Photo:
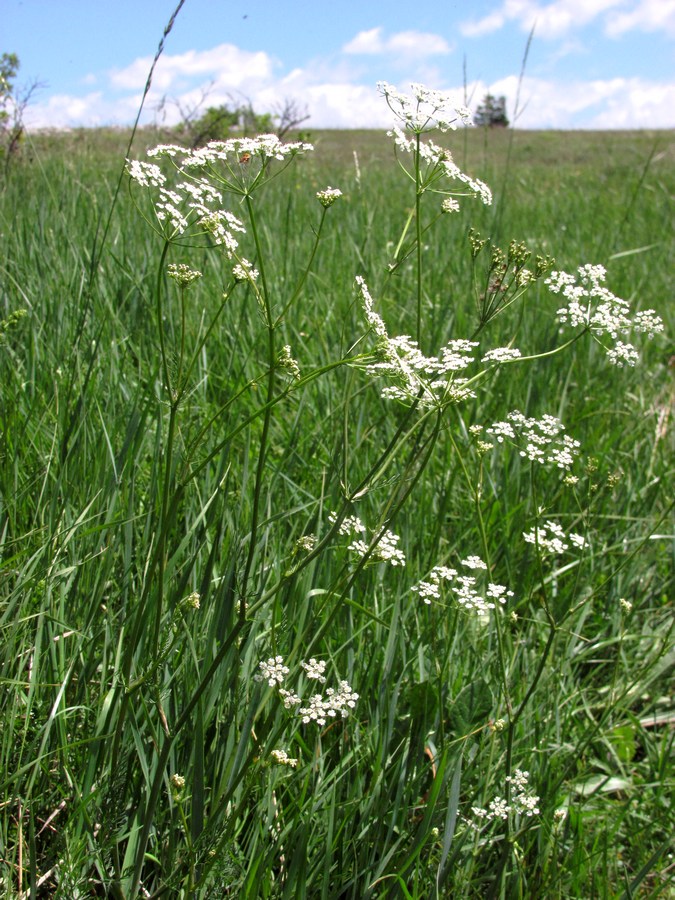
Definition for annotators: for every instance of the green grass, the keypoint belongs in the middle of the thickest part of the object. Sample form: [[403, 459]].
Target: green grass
[[117, 501]]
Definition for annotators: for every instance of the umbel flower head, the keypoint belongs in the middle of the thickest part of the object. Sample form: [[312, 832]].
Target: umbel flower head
[[192, 199], [591, 305], [424, 109]]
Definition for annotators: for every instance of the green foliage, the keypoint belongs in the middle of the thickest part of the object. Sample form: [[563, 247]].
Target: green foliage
[[220, 122], [154, 446], [491, 112], [9, 66]]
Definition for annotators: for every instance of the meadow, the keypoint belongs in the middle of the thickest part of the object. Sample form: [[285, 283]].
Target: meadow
[[290, 611]]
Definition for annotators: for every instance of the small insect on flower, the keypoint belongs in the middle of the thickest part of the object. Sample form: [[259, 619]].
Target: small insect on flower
[[245, 158]]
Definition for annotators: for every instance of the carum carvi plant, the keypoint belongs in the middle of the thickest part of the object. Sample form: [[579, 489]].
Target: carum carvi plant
[[206, 202], [347, 610]]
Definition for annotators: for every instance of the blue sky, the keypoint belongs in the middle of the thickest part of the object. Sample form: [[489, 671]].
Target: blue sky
[[591, 64]]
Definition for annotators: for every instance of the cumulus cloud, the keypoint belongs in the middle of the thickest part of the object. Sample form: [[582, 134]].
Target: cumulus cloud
[[617, 103], [224, 64], [556, 19], [335, 94], [647, 15], [405, 43]]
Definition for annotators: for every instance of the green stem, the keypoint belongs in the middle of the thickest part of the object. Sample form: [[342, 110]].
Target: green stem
[[267, 420], [418, 237]]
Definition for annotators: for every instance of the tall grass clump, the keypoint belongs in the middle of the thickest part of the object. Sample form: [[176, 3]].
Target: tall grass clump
[[335, 533]]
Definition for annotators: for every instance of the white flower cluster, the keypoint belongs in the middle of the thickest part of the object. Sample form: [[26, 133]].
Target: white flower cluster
[[502, 354], [523, 802], [183, 275], [431, 381], [264, 146], [591, 305], [244, 271], [349, 525], [439, 161], [328, 196], [543, 439], [463, 587], [319, 708], [386, 549], [282, 757], [196, 200], [550, 538], [425, 108], [335, 703], [273, 671]]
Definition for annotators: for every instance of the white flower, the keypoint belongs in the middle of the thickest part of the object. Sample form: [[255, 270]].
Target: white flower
[[273, 671], [314, 669], [502, 354], [384, 551], [474, 562], [544, 441], [145, 174], [450, 205], [281, 757], [551, 538], [425, 108], [182, 274], [244, 271], [328, 196], [591, 305]]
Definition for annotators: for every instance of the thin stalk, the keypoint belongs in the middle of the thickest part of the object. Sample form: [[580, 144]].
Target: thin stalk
[[267, 420], [418, 236]]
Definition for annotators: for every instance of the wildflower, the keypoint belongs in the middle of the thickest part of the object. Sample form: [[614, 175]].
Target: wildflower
[[449, 205], [305, 543], [559, 815], [244, 271], [285, 361], [551, 538], [192, 601], [425, 108], [502, 354], [522, 801], [349, 525], [177, 783], [328, 196], [314, 669], [384, 551], [463, 588], [289, 698], [145, 174], [273, 671], [592, 306], [183, 275], [541, 440], [281, 757], [428, 381], [626, 605], [474, 562]]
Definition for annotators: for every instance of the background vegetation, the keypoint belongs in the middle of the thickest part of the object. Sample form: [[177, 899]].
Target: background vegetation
[[380, 804]]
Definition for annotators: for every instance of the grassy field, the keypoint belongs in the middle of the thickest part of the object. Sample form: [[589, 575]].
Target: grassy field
[[181, 499]]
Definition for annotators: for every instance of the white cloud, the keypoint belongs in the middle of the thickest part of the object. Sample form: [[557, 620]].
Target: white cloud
[[225, 64], [334, 94], [647, 15], [552, 20], [366, 42], [618, 103], [403, 43]]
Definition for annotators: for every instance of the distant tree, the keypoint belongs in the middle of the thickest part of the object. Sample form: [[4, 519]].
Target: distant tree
[[200, 123], [492, 112], [13, 103], [289, 115]]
